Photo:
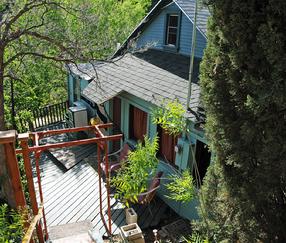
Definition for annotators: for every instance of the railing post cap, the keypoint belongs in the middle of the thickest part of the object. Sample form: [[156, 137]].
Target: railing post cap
[[7, 136], [23, 136]]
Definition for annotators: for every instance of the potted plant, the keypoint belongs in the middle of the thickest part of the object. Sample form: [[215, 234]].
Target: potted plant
[[132, 179]]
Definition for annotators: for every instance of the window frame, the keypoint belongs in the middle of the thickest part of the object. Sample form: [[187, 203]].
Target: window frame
[[167, 27]]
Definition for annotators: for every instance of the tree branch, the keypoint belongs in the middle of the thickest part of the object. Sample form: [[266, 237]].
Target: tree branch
[[68, 50], [26, 8], [22, 54]]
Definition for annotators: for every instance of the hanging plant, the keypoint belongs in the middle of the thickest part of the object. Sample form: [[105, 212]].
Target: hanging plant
[[181, 187], [132, 178], [170, 116]]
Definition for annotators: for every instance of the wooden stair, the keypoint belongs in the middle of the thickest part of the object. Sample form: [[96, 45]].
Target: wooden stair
[[71, 156], [79, 232]]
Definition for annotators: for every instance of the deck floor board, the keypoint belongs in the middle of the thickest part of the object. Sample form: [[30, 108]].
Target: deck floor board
[[72, 195]]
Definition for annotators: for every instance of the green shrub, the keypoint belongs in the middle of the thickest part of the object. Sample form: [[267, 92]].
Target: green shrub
[[132, 178], [170, 116], [182, 187], [11, 224]]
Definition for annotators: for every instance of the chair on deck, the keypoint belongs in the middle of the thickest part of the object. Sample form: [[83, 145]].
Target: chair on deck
[[119, 157], [145, 198]]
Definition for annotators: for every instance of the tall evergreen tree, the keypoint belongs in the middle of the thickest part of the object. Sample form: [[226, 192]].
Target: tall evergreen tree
[[243, 81]]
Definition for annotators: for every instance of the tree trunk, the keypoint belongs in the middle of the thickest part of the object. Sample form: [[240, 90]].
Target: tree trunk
[[6, 190], [13, 113], [2, 122]]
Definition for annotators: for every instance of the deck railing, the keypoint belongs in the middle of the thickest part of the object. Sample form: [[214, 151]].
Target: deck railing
[[45, 116], [49, 114], [8, 140], [32, 227]]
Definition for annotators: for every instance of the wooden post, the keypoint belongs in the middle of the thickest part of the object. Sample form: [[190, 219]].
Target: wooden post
[[107, 186], [23, 139], [37, 160], [8, 138]]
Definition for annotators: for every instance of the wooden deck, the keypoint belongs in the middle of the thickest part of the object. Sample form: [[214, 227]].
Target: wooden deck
[[73, 195]]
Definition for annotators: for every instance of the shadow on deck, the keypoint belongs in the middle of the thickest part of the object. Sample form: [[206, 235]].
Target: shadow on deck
[[73, 195]]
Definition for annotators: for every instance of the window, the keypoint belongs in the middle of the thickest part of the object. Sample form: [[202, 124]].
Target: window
[[203, 157], [172, 29], [137, 123], [167, 145]]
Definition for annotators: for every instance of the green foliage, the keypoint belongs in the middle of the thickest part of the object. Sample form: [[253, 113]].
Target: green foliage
[[181, 188], [132, 178], [195, 238], [170, 116], [24, 180], [243, 85], [11, 224], [89, 30]]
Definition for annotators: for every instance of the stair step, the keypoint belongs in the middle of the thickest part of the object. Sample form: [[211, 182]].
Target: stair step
[[81, 238], [68, 230], [69, 157]]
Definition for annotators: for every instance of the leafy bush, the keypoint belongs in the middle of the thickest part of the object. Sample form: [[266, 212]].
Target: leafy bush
[[195, 238], [11, 224], [182, 187], [170, 116], [132, 178]]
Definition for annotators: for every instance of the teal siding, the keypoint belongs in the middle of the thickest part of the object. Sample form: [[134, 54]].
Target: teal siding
[[186, 39], [185, 210], [154, 34], [70, 89], [83, 84]]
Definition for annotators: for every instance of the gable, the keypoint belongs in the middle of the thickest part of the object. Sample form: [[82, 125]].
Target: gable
[[154, 34], [152, 30], [188, 8]]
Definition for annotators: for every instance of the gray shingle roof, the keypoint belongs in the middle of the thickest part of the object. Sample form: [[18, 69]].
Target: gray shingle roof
[[188, 7], [151, 75]]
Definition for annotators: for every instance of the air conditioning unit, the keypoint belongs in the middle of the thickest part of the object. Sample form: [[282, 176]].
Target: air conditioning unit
[[77, 116]]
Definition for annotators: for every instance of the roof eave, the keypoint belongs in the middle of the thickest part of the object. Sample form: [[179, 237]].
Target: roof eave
[[198, 28], [147, 18]]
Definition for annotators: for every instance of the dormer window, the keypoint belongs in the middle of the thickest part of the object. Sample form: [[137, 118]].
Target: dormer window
[[172, 29]]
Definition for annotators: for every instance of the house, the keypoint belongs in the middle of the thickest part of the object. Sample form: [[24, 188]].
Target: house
[[126, 89]]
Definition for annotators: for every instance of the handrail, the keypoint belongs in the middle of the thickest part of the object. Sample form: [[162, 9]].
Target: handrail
[[43, 116], [27, 237]]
